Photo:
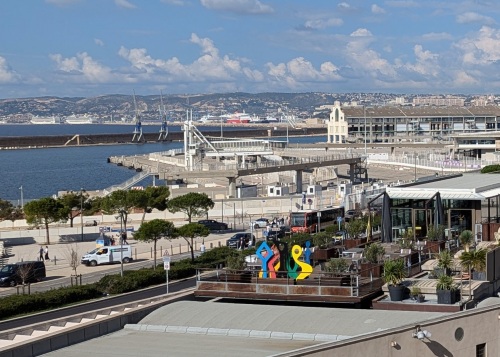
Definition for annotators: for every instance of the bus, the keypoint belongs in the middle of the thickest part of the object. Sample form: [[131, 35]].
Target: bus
[[306, 221]]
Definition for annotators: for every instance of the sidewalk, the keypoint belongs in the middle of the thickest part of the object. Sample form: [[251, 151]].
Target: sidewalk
[[59, 253]]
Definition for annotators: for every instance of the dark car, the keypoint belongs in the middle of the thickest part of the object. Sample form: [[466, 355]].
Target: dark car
[[235, 241], [213, 225], [13, 274], [275, 232]]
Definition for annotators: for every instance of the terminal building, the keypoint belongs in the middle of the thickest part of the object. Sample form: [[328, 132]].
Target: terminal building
[[395, 124]]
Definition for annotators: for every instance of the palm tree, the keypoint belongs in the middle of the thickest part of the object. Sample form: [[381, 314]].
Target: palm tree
[[466, 239], [473, 260], [445, 261]]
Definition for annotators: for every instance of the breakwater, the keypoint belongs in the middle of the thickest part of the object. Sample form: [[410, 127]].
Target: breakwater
[[18, 142]]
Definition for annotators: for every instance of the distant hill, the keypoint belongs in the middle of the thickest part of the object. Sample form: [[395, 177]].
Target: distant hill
[[118, 106]]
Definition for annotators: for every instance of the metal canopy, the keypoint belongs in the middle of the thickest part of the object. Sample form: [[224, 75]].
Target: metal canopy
[[421, 194]]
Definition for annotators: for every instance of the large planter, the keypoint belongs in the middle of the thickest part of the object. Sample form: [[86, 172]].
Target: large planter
[[374, 268], [396, 293], [436, 246], [324, 254], [446, 296], [354, 243]]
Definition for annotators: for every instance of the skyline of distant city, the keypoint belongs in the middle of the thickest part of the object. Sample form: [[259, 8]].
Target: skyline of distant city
[[85, 48]]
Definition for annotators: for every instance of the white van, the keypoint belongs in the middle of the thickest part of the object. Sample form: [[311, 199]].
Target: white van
[[108, 254]]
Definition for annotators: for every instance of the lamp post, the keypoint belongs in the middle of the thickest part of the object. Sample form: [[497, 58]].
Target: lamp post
[[364, 114], [121, 242], [415, 161], [81, 211], [22, 198]]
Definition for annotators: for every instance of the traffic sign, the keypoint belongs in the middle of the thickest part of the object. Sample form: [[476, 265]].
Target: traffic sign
[[165, 253], [166, 258], [166, 265], [319, 214]]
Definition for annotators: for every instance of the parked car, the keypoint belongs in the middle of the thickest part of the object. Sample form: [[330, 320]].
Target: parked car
[[259, 223], [275, 232], [12, 274], [213, 225], [234, 241]]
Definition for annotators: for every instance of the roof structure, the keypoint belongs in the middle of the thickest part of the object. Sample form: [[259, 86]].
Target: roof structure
[[207, 329], [420, 111], [469, 186]]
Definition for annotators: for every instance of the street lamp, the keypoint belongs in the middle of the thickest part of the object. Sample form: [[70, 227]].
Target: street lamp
[[364, 114], [81, 211], [22, 198], [121, 211], [415, 158]]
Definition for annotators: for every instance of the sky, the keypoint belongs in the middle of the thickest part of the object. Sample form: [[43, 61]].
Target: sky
[[89, 48]]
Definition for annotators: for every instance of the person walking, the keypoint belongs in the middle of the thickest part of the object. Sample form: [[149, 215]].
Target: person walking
[[41, 253], [46, 251]]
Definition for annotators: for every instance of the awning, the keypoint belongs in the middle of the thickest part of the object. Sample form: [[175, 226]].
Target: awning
[[422, 194]]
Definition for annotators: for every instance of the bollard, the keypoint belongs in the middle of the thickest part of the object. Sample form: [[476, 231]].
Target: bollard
[[180, 250], [219, 244], [80, 279], [161, 250], [171, 250], [135, 253], [211, 245], [55, 260], [151, 252]]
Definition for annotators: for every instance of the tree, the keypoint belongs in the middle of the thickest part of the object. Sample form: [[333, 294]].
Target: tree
[[120, 201], [71, 200], [44, 211], [192, 204], [191, 231], [9, 212], [74, 259], [155, 230], [466, 239], [355, 227], [153, 197]]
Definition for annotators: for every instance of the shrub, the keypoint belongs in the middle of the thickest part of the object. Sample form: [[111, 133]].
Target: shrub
[[337, 266], [374, 252], [490, 168]]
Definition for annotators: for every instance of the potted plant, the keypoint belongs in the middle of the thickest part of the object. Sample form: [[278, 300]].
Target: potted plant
[[372, 254], [445, 261], [393, 275], [416, 294], [474, 262], [466, 239], [446, 290]]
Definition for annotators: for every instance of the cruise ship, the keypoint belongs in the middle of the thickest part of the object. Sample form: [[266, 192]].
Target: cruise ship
[[81, 119], [35, 119]]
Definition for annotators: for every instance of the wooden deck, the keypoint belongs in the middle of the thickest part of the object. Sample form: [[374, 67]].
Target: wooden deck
[[348, 288]]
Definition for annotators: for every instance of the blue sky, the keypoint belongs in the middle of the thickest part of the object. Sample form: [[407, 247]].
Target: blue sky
[[95, 47]]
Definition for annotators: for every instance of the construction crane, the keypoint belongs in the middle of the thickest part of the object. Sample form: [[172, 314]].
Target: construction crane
[[163, 118], [138, 126]]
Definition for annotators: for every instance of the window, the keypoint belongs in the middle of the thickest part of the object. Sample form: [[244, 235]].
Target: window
[[481, 350]]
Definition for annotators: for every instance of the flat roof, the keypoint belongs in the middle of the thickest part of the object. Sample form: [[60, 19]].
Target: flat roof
[[469, 186], [193, 328]]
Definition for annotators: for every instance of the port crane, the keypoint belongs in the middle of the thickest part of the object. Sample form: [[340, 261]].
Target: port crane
[[163, 118], [138, 126]]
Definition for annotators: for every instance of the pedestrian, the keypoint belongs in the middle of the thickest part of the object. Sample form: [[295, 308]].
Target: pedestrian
[[242, 244], [202, 247], [46, 251], [124, 237], [41, 253]]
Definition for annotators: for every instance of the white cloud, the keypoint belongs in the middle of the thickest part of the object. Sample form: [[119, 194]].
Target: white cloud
[[125, 4], [83, 67], [238, 6], [433, 36], [361, 33], [474, 17], [7, 75], [323, 23], [377, 9], [98, 42], [426, 62], [344, 6], [174, 2], [481, 48]]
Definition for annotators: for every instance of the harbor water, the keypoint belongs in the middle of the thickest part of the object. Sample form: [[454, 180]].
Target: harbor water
[[44, 172]]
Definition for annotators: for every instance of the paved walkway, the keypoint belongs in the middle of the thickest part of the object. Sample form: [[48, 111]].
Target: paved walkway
[[59, 253]]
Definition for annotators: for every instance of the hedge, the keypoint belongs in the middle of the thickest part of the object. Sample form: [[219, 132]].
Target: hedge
[[111, 284]]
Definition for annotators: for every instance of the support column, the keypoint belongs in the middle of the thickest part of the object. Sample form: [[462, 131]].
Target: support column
[[232, 187], [298, 181], [351, 172]]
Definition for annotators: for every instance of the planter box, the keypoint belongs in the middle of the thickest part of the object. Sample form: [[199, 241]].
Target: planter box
[[324, 254], [354, 243], [436, 247], [446, 296], [375, 269]]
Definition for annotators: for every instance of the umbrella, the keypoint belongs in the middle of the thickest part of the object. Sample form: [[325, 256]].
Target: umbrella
[[386, 219], [438, 213]]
